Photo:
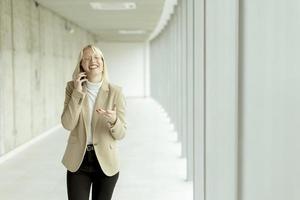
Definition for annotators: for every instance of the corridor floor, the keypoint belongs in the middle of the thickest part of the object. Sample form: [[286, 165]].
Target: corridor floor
[[151, 167]]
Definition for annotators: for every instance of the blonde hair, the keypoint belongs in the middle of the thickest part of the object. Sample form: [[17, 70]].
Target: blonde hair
[[97, 51]]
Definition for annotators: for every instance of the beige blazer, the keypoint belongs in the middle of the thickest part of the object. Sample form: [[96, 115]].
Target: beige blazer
[[75, 118]]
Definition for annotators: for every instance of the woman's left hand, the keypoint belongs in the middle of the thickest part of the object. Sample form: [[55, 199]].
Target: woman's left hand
[[110, 115]]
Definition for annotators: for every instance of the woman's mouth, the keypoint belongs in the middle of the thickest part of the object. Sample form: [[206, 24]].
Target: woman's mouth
[[93, 66]]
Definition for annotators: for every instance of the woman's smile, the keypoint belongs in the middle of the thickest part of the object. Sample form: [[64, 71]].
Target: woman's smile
[[93, 66], [92, 63]]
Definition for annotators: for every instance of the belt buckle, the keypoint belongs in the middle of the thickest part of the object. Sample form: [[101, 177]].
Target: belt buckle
[[89, 147]]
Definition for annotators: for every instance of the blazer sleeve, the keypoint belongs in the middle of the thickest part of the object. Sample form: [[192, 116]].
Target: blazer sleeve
[[72, 107], [118, 130]]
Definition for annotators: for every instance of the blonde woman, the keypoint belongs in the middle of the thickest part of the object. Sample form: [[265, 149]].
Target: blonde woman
[[94, 113]]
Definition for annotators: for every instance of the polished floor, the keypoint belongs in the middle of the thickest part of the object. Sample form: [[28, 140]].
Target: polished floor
[[151, 167]]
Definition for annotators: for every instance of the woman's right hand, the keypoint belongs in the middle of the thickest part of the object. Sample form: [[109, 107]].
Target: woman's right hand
[[78, 81]]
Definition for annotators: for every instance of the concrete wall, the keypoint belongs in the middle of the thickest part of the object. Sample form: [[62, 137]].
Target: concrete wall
[[37, 57], [128, 66]]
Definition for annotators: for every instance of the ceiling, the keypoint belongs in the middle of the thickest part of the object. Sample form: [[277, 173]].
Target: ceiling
[[106, 24]]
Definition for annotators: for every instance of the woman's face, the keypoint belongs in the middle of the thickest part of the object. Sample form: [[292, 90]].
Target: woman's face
[[92, 63]]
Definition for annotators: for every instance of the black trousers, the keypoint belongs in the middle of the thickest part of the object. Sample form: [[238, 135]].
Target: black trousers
[[90, 173]]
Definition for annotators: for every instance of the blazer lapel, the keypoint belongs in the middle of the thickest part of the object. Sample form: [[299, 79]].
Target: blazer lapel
[[100, 101], [85, 111]]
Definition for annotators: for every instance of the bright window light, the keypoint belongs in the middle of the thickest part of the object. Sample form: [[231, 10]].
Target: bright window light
[[113, 5], [131, 31]]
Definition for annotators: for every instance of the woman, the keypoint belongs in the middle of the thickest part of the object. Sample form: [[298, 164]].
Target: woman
[[94, 113]]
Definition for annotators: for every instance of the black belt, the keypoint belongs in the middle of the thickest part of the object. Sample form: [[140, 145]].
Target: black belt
[[90, 147]]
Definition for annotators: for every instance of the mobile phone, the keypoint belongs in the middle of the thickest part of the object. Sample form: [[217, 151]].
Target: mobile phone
[[81, 70]]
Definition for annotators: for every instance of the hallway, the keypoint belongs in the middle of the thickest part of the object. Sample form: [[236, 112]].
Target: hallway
[[211, 88], [150, 161]]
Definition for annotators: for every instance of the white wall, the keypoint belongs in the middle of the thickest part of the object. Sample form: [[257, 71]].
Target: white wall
[[127, 66], [243, 128], [270, 47], [221, 99]]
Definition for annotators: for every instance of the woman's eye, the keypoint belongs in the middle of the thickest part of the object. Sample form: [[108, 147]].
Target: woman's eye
[[88, 59]]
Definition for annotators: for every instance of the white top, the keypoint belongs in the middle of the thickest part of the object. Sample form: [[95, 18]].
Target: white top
[[92, 91]]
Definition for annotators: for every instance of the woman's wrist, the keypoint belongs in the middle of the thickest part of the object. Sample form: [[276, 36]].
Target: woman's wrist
[[113, 123]]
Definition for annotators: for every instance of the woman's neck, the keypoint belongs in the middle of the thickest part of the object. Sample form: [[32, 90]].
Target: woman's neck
[[95, 79]]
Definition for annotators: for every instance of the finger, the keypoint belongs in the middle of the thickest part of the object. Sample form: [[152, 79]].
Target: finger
[[79, 77], [106, 118], [110, 111], [81, 74], [83, 80], [100, 111], [107, 115]]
